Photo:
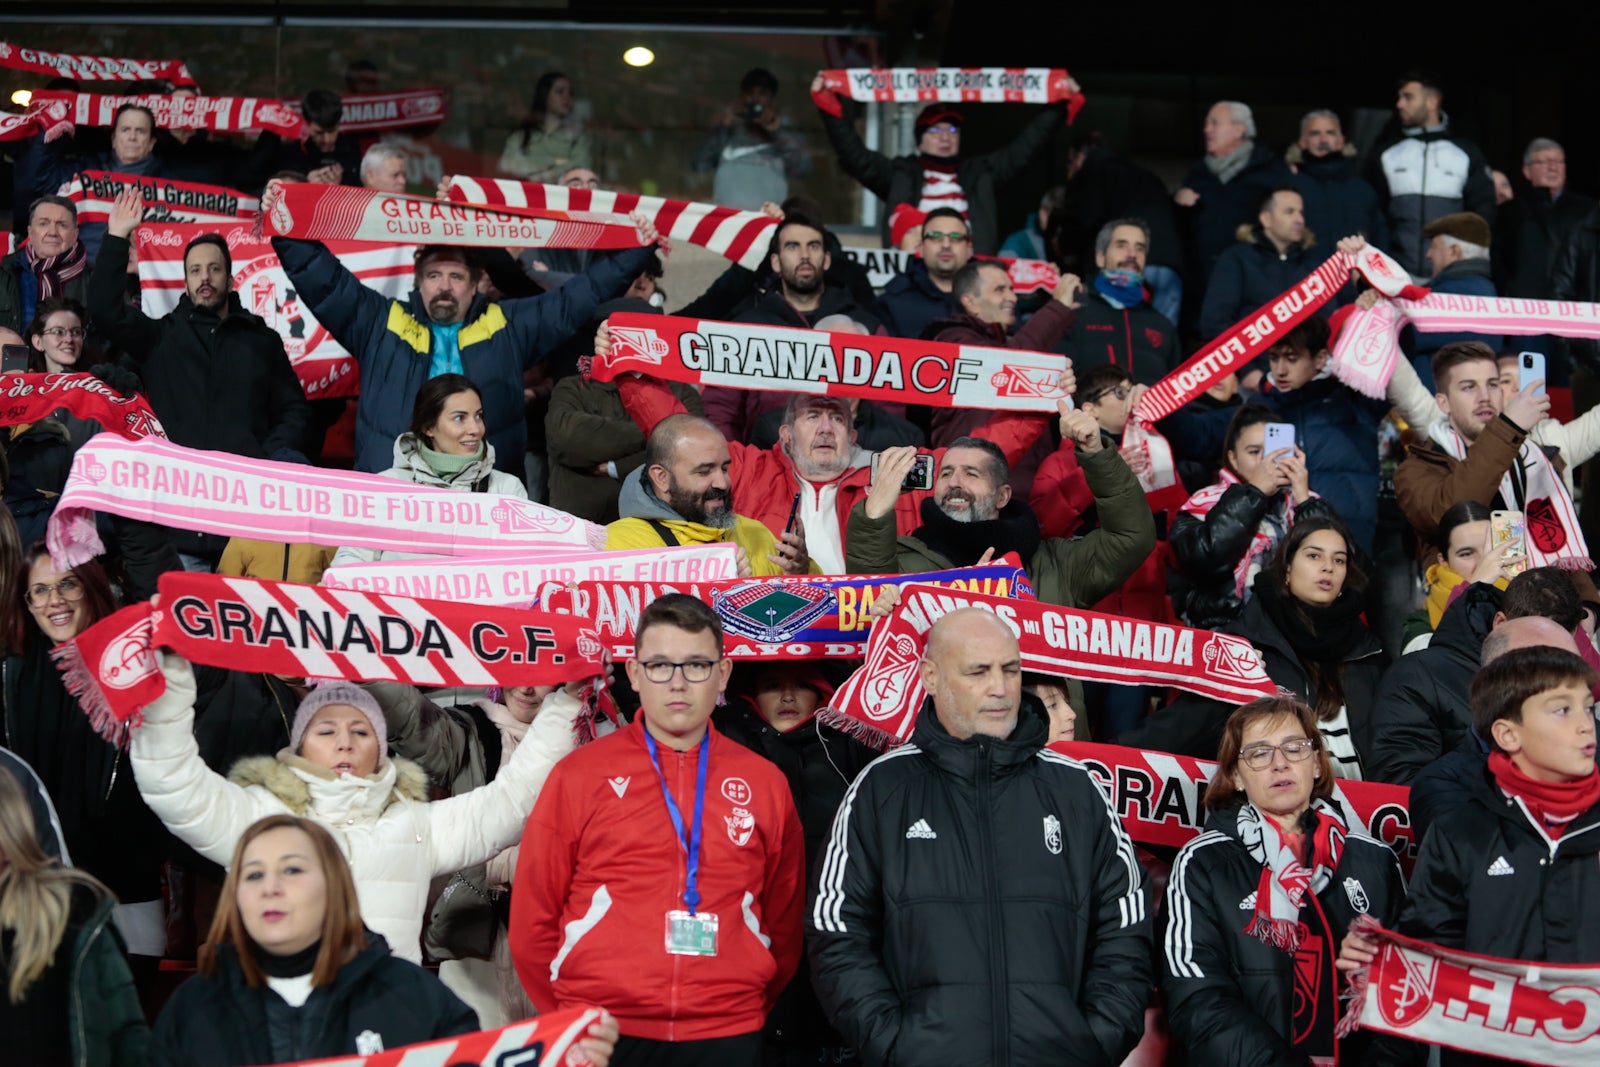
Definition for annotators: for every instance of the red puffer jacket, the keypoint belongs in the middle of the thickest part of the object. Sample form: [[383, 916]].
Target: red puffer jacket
[[601, 866]]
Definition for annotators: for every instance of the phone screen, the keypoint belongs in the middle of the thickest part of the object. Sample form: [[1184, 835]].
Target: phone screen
[[14, 359]]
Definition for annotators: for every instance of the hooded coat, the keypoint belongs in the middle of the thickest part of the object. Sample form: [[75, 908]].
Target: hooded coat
[[641, 509]]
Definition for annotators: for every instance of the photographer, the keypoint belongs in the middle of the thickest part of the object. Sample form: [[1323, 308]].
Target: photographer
[[753, 152]]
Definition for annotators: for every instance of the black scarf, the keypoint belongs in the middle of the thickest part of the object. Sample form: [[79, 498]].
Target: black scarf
[[1015, 529], [291, 966], [1317, 634]]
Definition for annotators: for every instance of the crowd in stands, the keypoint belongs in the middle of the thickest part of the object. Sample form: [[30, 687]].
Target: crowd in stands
[[733, 876]]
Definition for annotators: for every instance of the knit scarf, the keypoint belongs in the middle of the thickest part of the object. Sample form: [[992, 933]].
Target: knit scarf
[[1316, 633], [1442, 581], [1554, 538], [1228, 167], [1284, 877], [1274, 524], [1554, 804], [54, 272], [1014, 529], [940, 185], [1123, 288]]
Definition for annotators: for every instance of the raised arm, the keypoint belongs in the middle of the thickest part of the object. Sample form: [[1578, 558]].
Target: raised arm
[[130, 329], [872, 169]]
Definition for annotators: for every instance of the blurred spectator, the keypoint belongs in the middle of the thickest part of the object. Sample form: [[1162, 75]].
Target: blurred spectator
[[938, 176], [1530, 230], [43, 167], [921, 293], [1458, 254], [1338, 201], [1423, 170], [549, 142], [1028, 242], [384, 168], [1269, 256], [362, 76], [192, 155], [1223, 191], [1115, 324], [754, 150], [52, 262], [323, 155]]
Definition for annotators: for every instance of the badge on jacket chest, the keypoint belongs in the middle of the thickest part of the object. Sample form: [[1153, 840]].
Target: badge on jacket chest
[[1052, 834]]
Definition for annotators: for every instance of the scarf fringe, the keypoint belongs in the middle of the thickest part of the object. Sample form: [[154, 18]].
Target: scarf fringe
[[1359, 986], [1575, 563], [84, 686], [72, 538], [1279, 933], [872, 736]]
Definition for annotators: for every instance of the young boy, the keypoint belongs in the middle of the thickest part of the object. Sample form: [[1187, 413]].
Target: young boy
[[1513, 872]]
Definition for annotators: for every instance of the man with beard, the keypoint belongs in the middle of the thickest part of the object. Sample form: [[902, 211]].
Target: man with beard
[[1338, 202], [216, 375], [1115, 324], [51, 262], [682, 495], [923, 293], [445, 326], [801, 298], [973, 516]]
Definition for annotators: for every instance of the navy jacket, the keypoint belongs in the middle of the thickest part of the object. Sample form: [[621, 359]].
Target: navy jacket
[[1210, 226], [1339, 203], [911, 302], [42, 168], [1248, 275], [392, 344], [1466, 277]]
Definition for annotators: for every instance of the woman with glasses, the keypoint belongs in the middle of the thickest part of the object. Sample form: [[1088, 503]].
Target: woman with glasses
[[1259, 907], [109, 831], [56, 345]]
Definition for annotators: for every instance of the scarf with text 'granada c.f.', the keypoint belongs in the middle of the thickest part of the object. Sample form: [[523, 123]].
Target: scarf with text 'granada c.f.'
[[219, 493], [792, 360], [880, 701], [306, 631], [28, 398], [742, 236], [955, 85]]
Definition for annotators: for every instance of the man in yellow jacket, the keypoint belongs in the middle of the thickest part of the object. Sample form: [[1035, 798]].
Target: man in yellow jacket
[[682, 496]]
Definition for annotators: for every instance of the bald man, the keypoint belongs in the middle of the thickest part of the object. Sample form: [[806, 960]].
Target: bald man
[[1447, 782], [979, 902]]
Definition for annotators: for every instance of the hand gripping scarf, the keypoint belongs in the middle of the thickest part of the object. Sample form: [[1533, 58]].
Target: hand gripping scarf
[[1284, 879], [956, 85], [305, 631], [30, 397], [40, 116]]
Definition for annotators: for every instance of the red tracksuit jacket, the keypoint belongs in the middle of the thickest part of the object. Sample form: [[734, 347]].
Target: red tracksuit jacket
[[601, 866]]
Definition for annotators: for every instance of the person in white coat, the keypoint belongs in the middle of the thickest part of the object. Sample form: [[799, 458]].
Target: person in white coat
[[337, 772], [446, 447]]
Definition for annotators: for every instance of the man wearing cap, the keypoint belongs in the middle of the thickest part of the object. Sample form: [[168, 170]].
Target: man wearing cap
[[1457, 252], [938, 176]]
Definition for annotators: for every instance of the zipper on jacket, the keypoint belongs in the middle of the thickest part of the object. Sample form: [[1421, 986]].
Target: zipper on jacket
[[999, 999], [81, 1050], [5, 704], [1127, 338]]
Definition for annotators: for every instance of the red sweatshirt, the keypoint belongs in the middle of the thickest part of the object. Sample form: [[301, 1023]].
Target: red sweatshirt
[[601, 866]]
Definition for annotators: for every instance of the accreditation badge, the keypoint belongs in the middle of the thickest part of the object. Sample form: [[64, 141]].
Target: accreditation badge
[[691, 934]]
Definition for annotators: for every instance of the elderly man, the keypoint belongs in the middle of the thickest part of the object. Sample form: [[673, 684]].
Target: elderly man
[[979, 902], [1338, 201], [384, 168], [1458, 253], [1223, 190], [51, 262], [1530, 229]]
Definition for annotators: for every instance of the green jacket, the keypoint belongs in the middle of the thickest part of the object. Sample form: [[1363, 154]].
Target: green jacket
[[1073, 572], [108, 1027]]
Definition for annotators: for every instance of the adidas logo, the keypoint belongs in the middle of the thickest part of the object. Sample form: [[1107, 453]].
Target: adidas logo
[[920, 828], [1248, 903], [1498, 867], [619, 785]]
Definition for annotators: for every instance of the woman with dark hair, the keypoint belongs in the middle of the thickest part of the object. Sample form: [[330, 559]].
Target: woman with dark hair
[[12, 619], [1252, 961], [1225, 533], [447, 447], [548, 144], [290, 973], [1464, 556], [66, 995], [108, 829]]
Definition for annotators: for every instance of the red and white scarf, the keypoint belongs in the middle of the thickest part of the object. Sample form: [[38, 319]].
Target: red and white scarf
[[374, 112], [165, 200], [742, 236], [551, 1040], [941, 187], [783, 358], [956, 85], [1554, 538], [1285, 879], [305, 631], [55, 271], [219, 114], [217, 492], [1263, 539], [91, 68], [28, 398], [40, 116], [1526, 1011], [312, 211], [1160, 472], [880, 701]]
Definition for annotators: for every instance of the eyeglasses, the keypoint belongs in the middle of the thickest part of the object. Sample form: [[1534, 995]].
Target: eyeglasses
[[70, 589], [1121, 392], [944, 128], [1259, 757], [940, 238], [59, 332], [694, 670]]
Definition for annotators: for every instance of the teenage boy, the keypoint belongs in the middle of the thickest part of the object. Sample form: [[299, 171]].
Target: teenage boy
[[1513, 871]]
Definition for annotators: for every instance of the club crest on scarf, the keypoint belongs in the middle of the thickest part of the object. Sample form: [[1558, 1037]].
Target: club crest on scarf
[[1405, 985], [889, 676], [1011, 380], [1232, 658], [638, 343], [1544, 526]]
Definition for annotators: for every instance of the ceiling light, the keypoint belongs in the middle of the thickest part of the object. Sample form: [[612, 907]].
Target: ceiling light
[[638, 56]]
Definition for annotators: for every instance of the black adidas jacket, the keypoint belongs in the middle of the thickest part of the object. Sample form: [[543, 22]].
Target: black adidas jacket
[[979, 903], [1231, 996]]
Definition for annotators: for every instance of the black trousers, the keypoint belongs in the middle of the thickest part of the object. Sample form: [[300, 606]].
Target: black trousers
[[741, 1050]]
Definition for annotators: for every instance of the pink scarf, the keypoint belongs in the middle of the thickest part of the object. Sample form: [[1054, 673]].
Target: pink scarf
[[1262, 541]]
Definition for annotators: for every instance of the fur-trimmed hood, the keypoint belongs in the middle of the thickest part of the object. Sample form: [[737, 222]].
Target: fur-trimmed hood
[[307, 789]]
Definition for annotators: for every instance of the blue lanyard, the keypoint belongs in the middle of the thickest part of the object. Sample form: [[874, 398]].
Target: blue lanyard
[[690, 840]]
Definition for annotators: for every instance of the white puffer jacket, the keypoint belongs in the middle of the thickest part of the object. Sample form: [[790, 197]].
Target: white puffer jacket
[[396, 842]]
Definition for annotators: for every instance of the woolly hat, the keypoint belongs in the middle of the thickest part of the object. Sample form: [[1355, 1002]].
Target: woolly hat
[[934, 114], [1468, 226], [901, 220], [340, 693]]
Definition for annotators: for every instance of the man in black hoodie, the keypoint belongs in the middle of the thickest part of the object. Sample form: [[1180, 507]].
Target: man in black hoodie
[[1338, 201]]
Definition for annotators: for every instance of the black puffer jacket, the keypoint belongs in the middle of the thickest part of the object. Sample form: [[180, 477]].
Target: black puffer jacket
[[1231, 997], [1576, 276], [1207, 550], [1421, 709], [980, 903], [221, 1021]]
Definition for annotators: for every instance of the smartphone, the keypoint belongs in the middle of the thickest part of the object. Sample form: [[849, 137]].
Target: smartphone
[[1277, 436], [793, 525], [919, 477], [1510, 526], [1530, 369], [14, 359]]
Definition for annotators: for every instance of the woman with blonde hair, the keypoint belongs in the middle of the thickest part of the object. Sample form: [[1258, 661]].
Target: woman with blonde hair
[[66, 994]]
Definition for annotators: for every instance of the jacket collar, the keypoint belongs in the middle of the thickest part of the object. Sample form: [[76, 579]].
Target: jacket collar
[[306, 788], [963, 758]]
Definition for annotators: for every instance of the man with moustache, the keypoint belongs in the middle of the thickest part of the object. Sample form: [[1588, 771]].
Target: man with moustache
[[923, 294], [1115, 324], [682, 495]]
